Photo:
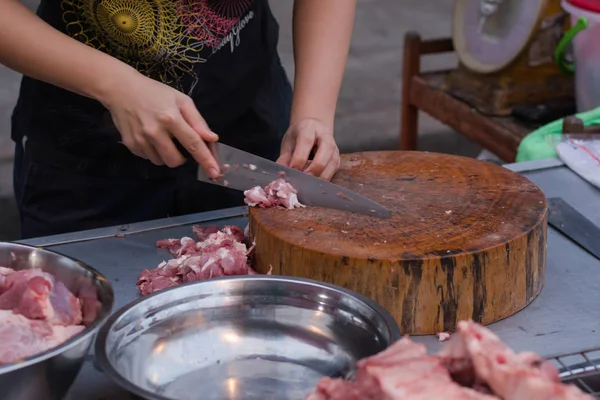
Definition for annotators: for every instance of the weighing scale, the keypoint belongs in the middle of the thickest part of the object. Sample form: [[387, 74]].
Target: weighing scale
[[505, 49]]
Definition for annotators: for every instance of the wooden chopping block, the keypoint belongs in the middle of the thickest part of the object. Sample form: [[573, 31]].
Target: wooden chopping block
[[467, 239]]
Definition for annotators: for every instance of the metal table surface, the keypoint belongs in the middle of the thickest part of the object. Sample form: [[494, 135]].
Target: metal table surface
[[564, 318]]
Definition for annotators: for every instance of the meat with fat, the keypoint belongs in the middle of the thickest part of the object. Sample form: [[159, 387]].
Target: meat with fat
[[21, 337], [38, 312], [510, 375], [279, 193], [403, 371], [202, 232], [443, 336], [219, 252], [36, 294], [474, 364]]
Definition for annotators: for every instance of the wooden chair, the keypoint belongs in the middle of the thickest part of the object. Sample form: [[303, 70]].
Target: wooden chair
[[425, 91]]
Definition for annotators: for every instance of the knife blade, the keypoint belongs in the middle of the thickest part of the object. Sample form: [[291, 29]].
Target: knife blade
[[565, 219], [242, 171]]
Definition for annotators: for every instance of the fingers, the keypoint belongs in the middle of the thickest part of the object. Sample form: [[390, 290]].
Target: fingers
[[131, 144], [194, 119], [286, 153], [284, 159], [149, 151], [331, 168], [148, 142], [325, 151], [194, 143], [167, 151], [304, 145], [149, 119]]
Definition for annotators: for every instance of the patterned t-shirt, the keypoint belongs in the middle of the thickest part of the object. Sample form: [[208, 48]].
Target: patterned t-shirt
[[216, 51]]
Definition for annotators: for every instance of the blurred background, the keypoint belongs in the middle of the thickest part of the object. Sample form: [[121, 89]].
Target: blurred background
[[368, 114]]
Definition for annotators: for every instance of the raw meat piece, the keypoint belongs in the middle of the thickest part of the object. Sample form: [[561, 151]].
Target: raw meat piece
[[4, 272], [406, 371], [178, 247], [513, 376], [278, 193], [475, 365], [90, 305], [37, 295], [403, 371], [202, 232], [37, 313], [221, 252], [21, 337], [257, 197], [339, 389]]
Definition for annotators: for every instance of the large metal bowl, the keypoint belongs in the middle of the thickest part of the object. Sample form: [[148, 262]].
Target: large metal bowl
[[49, 375], [251, 337]]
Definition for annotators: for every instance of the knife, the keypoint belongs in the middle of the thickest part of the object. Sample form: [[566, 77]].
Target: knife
[[565, 219], [243, 171]]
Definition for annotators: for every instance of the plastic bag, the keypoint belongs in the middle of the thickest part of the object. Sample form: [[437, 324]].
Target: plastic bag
[[581, 153]]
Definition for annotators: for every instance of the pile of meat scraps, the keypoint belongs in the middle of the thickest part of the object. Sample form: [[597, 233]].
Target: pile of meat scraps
[[279, 193], [218, 252], [37, 313], [474, 364]]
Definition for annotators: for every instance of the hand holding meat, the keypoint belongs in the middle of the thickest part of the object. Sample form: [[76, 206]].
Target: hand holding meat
[[300, 139], [149, 114]]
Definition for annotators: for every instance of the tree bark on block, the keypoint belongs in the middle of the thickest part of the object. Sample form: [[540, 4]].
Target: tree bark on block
[[466, 240]]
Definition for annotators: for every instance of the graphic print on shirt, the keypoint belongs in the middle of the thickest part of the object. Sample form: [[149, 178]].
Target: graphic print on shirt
[[162, 39]]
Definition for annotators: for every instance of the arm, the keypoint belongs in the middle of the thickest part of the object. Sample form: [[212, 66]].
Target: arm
[[144, 111], [57, 58], [322, 30]]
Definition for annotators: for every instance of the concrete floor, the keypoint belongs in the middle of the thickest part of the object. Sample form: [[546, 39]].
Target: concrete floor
[[368, 111]]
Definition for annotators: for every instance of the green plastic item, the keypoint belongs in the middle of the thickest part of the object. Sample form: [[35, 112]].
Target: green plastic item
[[564, 43], [536, 145]]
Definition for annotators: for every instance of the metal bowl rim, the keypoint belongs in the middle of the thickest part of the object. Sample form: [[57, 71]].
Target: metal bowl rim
[[103, 315], [100, 351]]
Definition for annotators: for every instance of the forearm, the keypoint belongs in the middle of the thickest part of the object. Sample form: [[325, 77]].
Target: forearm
[[322, 31], [30, 46]]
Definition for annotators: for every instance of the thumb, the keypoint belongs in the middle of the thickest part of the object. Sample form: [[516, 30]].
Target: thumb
[[192, 116]]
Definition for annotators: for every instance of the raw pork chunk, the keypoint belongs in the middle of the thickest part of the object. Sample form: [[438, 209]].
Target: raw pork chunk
[[37, 313], [36, 294], [21, 337], [474, 364], [218, 252], [277, 194]]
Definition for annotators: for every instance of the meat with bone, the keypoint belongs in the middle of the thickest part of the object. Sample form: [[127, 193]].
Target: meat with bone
[[219, 252], [509, 375], [37, 313], [474, 364], [278, 193]]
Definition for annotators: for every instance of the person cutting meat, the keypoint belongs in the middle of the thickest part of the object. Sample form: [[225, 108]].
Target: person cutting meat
[[119, 98]]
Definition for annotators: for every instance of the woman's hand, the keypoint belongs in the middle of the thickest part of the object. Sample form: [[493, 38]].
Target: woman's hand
[[300, 140], [148, 114]]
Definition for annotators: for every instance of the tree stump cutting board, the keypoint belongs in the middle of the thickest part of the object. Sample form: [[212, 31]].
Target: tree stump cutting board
[[467, 239]]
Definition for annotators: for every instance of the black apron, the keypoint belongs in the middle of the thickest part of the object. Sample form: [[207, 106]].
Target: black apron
[[71, 173]]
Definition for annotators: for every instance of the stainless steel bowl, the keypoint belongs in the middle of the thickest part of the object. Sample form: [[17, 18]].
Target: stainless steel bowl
[[49, 375], [251, 337]]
